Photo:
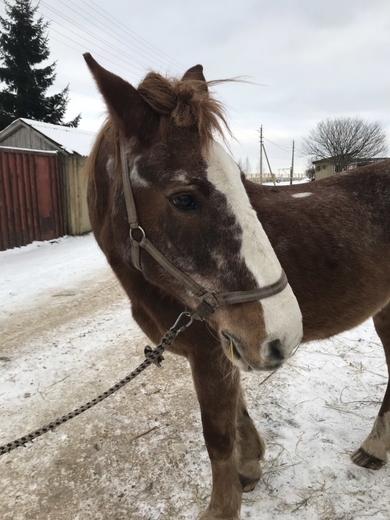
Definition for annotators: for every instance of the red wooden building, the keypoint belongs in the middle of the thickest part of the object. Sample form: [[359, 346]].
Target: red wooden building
[[42, 190]]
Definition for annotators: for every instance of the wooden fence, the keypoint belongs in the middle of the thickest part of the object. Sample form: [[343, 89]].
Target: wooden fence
[[75, 191]]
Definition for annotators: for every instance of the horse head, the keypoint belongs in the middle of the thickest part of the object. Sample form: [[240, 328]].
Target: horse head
[[193, 207]]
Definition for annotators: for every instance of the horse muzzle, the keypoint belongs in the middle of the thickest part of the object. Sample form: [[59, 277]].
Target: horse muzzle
[[271, 354]]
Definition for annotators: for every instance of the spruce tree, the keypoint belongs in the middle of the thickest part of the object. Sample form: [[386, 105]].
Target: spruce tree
[[23, 46]]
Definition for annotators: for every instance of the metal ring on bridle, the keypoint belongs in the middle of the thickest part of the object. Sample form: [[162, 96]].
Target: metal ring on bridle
[[136, 229]]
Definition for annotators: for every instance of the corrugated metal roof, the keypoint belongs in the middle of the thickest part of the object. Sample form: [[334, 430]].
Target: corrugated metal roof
[[26, 150], [72, 140]]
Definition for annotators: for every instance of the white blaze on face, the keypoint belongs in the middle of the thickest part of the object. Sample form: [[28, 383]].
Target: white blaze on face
[[282, 316]]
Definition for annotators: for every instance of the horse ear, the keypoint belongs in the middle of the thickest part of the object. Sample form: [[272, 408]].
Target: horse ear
[[130, 112], [194, 73]]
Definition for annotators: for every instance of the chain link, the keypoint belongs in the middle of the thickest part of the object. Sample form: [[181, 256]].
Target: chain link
[[152, 356]]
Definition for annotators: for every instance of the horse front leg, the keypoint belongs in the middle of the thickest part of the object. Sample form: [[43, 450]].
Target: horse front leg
[[218, 389], [251, 447], [373, 452]]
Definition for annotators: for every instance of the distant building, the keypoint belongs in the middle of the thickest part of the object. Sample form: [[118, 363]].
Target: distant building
[[327, 168]]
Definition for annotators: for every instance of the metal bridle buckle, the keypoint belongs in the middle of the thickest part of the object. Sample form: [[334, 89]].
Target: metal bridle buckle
[[208, 303]]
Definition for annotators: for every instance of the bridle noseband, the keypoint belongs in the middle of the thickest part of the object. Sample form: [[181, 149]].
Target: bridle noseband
[[209, 301]]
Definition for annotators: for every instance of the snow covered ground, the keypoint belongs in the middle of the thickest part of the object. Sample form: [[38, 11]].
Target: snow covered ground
[[67, 335]]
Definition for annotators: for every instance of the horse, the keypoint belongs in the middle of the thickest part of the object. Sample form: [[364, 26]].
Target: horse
[[157, 175]]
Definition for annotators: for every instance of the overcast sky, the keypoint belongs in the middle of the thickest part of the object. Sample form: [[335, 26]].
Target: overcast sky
[[309, 59]]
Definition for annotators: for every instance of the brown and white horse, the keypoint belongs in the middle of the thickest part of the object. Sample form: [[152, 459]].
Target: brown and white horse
[[228, 234]]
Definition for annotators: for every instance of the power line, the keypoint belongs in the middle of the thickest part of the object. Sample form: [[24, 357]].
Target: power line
[[239, 116], [244, 118], [82, 49], [143, 54], [278, 146], [159, 60], [86, 39], [136, 36], [120, 39]]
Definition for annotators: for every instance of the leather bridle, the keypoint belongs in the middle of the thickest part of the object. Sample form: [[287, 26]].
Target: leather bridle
[[209, 301]]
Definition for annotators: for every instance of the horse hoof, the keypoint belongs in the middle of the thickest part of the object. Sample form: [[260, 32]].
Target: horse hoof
[[247, 483], [365, 460]]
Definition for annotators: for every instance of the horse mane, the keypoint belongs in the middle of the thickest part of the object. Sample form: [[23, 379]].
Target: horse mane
[[185, 103]]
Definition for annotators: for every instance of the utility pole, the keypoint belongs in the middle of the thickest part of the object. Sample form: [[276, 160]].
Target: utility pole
[[292, 164], [263, 150], [269, 166], [261, 154]]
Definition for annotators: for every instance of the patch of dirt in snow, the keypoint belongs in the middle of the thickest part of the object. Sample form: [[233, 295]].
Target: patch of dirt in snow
[[140, 454]]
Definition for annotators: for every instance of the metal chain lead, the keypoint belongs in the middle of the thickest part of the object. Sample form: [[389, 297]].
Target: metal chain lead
[[152, 356]]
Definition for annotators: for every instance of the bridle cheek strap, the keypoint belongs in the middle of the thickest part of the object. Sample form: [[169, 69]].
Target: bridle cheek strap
[[209, 301], [132, 215]]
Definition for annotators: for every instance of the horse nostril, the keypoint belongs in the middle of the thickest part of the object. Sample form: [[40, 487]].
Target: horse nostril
[[276, 350], [232, 342], [225, 335]]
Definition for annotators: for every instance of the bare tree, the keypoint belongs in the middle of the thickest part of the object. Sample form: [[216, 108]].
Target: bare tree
[[248, 166], [240, 164], [344, 140]]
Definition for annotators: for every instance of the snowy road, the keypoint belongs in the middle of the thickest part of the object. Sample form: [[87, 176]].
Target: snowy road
[[67, 335]]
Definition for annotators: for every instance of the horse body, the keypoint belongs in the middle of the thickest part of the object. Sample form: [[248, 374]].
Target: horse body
[[334, 245], [331, 238]]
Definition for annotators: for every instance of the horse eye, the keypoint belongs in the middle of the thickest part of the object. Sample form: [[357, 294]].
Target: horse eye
[[184, 202]]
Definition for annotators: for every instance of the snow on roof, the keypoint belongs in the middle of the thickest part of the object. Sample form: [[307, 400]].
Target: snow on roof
[[70, 139]]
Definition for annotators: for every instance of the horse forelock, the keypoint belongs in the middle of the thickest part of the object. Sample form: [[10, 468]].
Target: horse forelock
[[179, 103], [185, 103]]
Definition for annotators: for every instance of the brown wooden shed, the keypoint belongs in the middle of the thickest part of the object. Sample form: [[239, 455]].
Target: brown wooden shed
[[42, 186]]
